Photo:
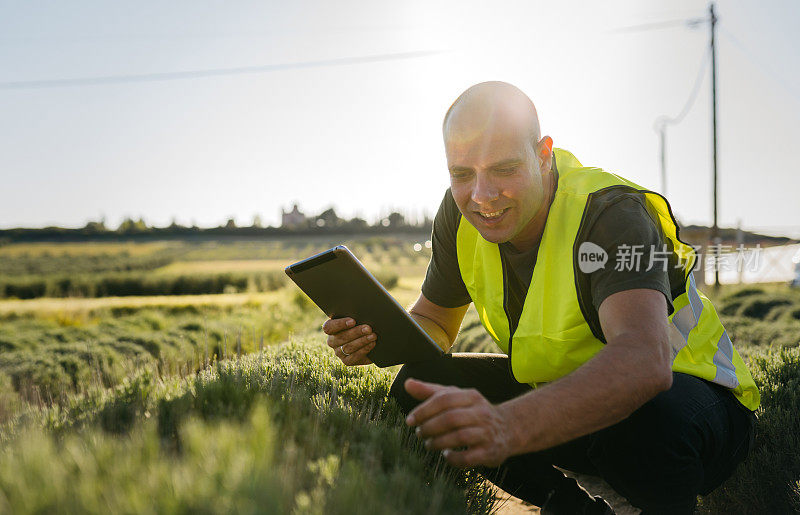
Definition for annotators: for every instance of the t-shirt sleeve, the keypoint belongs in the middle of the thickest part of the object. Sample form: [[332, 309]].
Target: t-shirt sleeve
[[637, 256], [443, 284]]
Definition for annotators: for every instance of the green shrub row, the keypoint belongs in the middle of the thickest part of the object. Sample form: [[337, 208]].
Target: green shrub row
[[128, 284], [293, 249], [756, 304], [44, 361], [387, 278], [63, 264]]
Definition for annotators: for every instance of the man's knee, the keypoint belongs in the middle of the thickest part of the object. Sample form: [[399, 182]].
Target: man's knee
[[649, 460], [487, 373], [425, 371], [655, 456], [398, 391]]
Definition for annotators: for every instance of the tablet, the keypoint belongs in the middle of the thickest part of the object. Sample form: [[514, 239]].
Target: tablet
[[341, 287]]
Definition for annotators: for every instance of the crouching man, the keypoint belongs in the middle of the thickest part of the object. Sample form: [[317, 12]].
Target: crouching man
[[613, 363]]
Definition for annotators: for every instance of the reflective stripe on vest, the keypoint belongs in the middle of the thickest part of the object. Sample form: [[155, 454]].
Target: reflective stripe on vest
[[553, 338]]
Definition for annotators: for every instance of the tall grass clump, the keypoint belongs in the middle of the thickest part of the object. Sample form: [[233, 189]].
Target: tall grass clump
[[387, 278]]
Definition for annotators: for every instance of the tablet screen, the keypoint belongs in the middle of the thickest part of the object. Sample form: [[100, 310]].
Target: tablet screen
[[341, 287]]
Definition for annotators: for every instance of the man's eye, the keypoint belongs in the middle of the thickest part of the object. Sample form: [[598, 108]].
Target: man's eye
[[506, 170]]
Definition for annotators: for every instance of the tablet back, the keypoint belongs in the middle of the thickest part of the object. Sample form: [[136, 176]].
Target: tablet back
[[340, 285]]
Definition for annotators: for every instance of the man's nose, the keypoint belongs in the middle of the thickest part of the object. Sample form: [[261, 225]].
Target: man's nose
[[485, 190]]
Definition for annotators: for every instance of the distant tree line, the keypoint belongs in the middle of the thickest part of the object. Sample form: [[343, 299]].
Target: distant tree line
[[327, 222]]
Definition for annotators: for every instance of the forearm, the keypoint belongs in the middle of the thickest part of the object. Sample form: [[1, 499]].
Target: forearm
[[602, 392], [434, 330]]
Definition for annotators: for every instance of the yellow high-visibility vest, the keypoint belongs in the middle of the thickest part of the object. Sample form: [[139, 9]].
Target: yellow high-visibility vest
[[553, 338]]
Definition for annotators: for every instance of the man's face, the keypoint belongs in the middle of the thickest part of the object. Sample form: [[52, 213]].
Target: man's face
[[496, 181]]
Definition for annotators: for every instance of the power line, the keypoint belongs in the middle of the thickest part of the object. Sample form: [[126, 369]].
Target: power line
[[194, 74], [759, 62], [661, 123], [701, 73], [691, 22]]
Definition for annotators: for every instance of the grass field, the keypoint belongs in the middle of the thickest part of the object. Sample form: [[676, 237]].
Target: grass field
[[81, 249], [232, 402], [224, 265], [30, 271], [290, 430]]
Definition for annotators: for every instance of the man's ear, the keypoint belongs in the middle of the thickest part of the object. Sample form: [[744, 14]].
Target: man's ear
[[544, 151]]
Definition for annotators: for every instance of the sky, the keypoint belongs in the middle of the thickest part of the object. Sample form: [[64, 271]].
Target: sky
[[200, 111]]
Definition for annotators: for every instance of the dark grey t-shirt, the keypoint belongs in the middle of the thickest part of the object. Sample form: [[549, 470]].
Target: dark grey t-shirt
[[613, 220]]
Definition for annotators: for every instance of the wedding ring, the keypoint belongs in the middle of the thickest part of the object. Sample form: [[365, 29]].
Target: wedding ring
[[341, 348]]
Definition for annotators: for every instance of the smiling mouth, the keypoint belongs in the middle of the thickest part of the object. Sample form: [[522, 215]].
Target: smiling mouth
[[494, 215]]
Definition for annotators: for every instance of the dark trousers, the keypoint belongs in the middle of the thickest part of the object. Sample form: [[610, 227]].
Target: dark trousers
[[684, 442]]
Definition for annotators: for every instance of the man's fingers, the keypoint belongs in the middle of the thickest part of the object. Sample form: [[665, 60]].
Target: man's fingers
[[350, 342], [344, 337], [357, 358], [362, 347], [447, 397], [336, 325], [422, 390], [358, 344], [448, 421]]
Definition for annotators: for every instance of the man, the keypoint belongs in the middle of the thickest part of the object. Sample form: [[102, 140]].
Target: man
[[609, 369]]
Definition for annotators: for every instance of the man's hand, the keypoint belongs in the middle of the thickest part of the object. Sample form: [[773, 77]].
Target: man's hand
[[350, 342], [452, 417]]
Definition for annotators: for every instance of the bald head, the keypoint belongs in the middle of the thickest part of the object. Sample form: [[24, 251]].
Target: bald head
[[501, 174], [484, 106]]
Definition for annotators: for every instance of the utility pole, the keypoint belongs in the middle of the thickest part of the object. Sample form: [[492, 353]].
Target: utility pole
[[715, 228], [662, 122], [662, 133]]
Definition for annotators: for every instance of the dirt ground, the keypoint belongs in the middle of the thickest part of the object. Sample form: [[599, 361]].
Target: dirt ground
[[594, 485]]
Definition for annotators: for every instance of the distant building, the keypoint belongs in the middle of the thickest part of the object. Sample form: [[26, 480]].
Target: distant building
[[328, 218], [293, 218]]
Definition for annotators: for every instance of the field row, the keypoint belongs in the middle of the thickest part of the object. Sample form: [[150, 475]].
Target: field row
[[51, 349], [186, 380], [29, 271], [48, 357], [210, 440], [60, 258]]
